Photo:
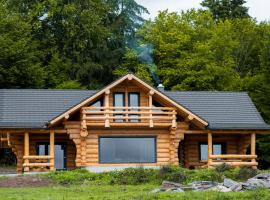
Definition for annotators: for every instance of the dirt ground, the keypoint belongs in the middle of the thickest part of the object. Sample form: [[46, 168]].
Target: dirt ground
[[24, 181]]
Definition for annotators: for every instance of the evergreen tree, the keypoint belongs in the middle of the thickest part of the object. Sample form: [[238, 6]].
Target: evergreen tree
[[226, 9]]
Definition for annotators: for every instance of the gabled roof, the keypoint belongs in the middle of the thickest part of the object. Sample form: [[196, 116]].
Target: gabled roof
[[27, 108]]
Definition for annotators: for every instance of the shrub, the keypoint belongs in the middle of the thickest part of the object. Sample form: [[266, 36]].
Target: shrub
[[132, 176], [222, 168], [246, 173], [77, 176]]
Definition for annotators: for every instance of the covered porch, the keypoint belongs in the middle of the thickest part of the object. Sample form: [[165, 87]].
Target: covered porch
[[205, 148], [42, 150]]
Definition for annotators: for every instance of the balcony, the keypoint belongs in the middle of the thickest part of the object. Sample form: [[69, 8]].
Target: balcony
[[129, 116]]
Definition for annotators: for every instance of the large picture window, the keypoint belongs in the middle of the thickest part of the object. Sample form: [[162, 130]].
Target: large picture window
[[127, 149]]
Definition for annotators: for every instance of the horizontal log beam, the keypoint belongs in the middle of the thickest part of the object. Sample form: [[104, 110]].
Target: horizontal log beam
[[122, 107], [235, 163], [37, 165], [234, 156], [36, 157]]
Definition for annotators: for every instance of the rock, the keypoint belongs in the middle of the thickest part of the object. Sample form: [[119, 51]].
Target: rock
[[168, 186], [202, 185], [233, 185], [258, 181], [220, 188], [178, 190], [155, 190]]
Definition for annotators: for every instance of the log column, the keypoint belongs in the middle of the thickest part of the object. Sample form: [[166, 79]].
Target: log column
[[107, 105], [26, 150], [210, 148], [150, 104], [51, 150], [253, 148]]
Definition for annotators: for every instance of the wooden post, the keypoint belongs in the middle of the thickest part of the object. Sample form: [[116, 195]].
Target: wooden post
[[253, 148], [26, 150], [172, 145], [51, 150], [210, 148], [107, 105], [150, 104]]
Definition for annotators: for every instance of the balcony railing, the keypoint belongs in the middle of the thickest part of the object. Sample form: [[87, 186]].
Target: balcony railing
[[126, 116]]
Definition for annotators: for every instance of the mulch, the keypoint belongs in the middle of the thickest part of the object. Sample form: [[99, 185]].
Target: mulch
[[24, 181]]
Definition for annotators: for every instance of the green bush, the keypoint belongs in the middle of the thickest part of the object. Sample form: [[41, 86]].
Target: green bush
[[132, 176], [222, 168], [77, 176], [246, 173]]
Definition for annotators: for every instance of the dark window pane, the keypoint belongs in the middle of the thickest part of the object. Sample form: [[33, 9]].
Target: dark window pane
[[134, 101], [119, 101], [217, 150], [204, 152], [127, 150]]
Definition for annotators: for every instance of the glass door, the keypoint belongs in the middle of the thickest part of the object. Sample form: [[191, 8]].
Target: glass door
[[59, 153]]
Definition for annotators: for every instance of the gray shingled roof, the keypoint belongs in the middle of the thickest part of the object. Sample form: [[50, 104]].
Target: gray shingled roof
[[26, 108]]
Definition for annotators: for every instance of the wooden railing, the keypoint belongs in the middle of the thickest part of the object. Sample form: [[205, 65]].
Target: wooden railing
[[233, 160], [37, 161], [121, 116]]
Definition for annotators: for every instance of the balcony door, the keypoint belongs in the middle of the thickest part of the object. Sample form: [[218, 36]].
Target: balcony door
[[119, 100]]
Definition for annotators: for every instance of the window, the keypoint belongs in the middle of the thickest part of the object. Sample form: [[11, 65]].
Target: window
[[119, 101], [218, 148], [127, 149], [134, 101], [97, 103]]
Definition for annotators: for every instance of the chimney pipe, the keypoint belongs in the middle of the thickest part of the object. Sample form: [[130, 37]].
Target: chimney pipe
[[160, 87]]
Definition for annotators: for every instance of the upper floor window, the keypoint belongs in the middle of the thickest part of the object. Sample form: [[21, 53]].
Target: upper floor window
[[97, 103]]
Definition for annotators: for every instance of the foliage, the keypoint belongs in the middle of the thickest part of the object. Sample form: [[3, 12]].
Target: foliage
[[48, 43], [69, 85], [132, 176], [226, 9], [222, 167], [77, 176]]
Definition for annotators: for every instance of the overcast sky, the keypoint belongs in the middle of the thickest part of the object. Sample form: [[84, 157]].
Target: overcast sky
[[260, 9]]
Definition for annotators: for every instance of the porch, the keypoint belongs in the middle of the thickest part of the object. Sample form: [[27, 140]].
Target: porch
[[40, 151], [213, 148]]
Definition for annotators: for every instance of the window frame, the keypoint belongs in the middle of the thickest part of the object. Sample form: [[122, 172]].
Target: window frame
[[99, 149], [223, 148], [124, 99], [139, 104]]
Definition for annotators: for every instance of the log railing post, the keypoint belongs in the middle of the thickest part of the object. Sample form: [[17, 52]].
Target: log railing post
[[151, 123], [210, 148], [52, 150], [26, 150], [253, 148], [107, 105]]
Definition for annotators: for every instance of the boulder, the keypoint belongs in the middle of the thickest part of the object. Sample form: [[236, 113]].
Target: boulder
[[258, 181], [220, 188], [233, 185], [169, 186], [202, 185]]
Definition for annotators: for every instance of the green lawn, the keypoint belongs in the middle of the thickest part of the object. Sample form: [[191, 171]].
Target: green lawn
[[83, 192]]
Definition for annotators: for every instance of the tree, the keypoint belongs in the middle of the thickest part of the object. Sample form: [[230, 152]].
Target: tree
[[20, 65], [226, 9], [81, 41]]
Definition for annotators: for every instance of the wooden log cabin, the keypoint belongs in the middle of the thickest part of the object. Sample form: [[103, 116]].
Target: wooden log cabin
[[128, 123]]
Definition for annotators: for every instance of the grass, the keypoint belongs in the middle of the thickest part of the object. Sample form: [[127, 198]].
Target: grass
[[119, 192], [132, 184]]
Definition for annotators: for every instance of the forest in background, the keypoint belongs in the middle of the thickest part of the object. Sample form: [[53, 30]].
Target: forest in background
[[85, 44]]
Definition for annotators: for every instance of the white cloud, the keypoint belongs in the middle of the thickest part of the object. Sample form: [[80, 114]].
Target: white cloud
[[257, 8]]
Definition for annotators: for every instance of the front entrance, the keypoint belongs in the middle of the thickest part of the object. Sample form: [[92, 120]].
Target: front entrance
[[60, 152]]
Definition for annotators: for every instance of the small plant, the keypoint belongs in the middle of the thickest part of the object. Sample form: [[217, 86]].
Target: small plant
[[132, 176], [246, 173], [222, 168]]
